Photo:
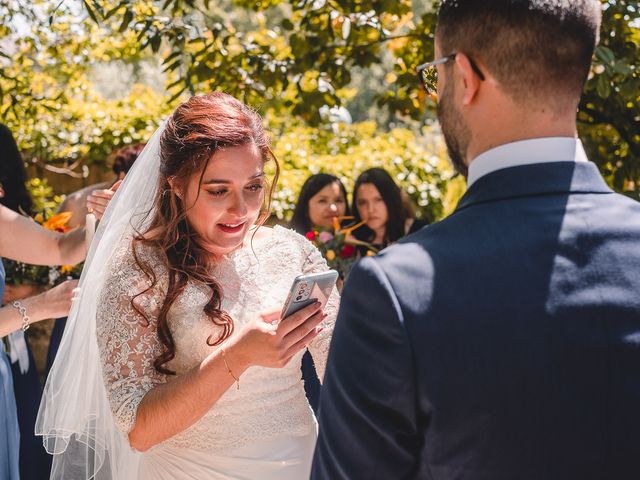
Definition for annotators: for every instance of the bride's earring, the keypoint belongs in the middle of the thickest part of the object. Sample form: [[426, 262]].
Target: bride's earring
[[173, 188]]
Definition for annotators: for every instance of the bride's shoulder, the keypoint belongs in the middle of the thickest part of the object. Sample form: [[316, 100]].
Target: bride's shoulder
[[282, 238], [288, 235], [137, 255]]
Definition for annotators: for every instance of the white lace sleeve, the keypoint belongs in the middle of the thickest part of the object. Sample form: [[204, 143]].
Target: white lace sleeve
[[128, 343], [319, 347]]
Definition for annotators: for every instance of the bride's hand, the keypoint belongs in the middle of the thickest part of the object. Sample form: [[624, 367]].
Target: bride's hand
[[268, 344]]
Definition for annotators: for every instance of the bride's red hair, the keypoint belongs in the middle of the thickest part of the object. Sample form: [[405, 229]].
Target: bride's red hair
[[194, 133]]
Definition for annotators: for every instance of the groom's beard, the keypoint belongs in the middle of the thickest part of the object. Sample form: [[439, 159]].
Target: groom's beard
[[455, 130]]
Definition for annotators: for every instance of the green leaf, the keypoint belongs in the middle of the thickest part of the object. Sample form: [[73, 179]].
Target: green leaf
[[287, 24], [605, 55], [171, 57], [622, 68], [145, 29], [172, 66], [90, 11], [155, 43], [128, 16], [115, 9], [603, 86]]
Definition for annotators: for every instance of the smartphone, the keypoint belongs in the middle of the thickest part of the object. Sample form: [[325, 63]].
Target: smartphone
[[307, 289]]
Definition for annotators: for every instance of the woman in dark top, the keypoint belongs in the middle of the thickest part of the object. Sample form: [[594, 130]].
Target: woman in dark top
[[378, 200]]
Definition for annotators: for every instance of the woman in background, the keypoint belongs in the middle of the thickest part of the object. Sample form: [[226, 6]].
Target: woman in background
[[378, 201], [322, 198]]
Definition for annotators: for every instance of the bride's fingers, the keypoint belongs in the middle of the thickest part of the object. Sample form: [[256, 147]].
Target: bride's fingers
[[293, 321], [302, 330], [272, 317], [303, 342]]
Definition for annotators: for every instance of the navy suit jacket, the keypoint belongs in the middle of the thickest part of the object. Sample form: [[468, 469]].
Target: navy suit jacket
[[502, 343]]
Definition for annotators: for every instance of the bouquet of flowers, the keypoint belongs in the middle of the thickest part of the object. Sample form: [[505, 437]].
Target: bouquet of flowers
[[18, 273], [338, 246]]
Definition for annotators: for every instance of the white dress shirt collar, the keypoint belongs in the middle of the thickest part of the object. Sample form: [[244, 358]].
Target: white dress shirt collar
[[526, 152]]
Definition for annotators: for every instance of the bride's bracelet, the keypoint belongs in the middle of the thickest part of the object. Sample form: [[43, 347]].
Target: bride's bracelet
[[26, 321], [224, 358]]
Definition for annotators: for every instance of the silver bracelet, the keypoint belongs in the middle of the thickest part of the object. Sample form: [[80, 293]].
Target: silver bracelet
[[26, 321]]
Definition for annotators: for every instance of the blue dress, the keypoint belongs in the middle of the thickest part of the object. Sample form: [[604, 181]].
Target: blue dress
[[9, 433], [35, 462]]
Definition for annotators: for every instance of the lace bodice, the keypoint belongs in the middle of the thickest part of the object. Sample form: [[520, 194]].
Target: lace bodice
[[270, 402]]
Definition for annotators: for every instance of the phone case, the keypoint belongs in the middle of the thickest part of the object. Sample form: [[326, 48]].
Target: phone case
[[307, 289]]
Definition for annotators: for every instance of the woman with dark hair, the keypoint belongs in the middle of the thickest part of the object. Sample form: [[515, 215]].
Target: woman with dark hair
[[378, 201], [322, 198], [178, 321]]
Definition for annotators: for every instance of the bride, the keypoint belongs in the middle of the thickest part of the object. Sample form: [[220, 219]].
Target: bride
[[175, 364]]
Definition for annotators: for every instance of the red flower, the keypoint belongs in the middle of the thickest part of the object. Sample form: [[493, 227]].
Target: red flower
[[348, 251], [310, 235]]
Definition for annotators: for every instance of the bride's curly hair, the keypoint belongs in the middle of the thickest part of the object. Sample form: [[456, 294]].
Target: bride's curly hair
[[197, 129]]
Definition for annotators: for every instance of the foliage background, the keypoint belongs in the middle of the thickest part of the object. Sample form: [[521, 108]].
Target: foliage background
[[80, 78]]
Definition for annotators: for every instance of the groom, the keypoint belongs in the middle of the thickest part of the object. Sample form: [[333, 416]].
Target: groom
[[502, 343]]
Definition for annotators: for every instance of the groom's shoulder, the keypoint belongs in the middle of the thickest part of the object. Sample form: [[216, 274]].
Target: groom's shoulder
[[431, 240], [416, 255], [413, 256]]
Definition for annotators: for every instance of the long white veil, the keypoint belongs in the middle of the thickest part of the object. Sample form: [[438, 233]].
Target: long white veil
[[75, 420]]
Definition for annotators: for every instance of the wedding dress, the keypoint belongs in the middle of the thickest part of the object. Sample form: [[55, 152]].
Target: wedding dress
[[265, 429]]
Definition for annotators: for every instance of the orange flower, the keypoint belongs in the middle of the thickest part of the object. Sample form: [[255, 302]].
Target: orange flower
[[58, 223], [336, 224], [64, 269], [348, 230]]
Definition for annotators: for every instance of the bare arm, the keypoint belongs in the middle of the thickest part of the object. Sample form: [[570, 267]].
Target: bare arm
[[24, 240], [174, 406], [50, 304]]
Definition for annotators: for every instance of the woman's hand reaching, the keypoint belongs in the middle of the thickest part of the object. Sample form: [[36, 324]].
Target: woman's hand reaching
[[53, 303], [57, 301], [98, 200]]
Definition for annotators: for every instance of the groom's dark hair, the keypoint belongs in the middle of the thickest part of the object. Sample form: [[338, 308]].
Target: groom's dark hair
[[534, 48]]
